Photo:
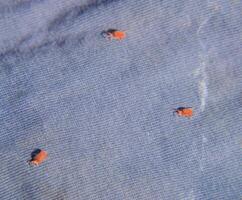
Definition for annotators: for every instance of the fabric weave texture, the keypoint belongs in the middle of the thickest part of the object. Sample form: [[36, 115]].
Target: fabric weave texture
[[103, 109]]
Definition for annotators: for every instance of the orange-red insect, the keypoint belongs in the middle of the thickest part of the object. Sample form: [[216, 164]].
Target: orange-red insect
[[38, 158], [114, 34], [184, 111]]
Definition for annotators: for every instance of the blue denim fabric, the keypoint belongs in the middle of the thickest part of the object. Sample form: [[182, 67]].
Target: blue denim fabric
[[103, 110]]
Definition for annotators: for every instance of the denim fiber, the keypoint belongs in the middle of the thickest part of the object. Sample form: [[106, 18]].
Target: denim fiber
[[103, 109]]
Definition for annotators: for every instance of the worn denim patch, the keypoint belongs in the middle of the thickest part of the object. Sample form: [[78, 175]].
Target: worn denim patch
[[104, 109]]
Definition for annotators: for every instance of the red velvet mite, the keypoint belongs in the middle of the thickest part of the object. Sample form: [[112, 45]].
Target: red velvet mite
[[114, 34], [184, 111], [38, 158]]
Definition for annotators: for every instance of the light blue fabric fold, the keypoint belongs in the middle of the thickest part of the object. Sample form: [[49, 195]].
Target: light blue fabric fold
[[103, 110]]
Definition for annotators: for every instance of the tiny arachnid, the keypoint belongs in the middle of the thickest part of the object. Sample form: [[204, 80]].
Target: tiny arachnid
[[184, 111], [114, 34], [38, 156]]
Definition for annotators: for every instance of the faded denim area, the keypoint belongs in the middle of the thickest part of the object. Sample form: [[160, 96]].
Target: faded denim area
[[103, 110]]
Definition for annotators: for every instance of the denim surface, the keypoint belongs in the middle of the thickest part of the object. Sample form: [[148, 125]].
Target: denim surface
[[103, 110]]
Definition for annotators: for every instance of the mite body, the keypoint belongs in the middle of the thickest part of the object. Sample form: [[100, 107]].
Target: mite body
[[184, 111], [38, 158], [114, 34]]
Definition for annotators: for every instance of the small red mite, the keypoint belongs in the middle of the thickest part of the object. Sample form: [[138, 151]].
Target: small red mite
[[114, 34], [38, 158], [184, 111]]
